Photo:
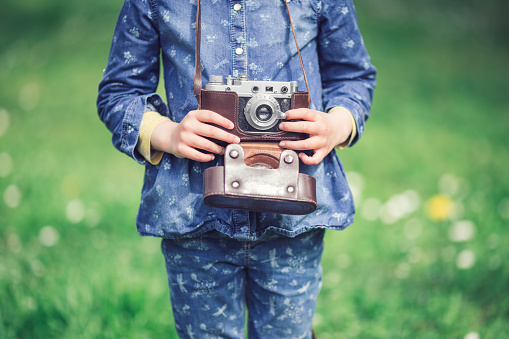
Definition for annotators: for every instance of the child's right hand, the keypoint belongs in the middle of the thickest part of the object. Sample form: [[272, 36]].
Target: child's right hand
[[187, 138]]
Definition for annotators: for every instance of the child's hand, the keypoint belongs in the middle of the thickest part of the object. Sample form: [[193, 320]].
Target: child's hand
[[186, 138], [326, 131]]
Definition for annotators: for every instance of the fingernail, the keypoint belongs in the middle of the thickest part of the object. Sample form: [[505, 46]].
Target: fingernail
[[282, 144], [236, 140]]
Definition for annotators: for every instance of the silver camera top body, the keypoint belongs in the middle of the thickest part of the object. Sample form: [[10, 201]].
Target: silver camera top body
[[265, 101]]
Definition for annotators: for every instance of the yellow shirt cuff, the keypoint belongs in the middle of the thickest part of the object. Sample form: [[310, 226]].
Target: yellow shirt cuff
[[348, 141], [148, 124]]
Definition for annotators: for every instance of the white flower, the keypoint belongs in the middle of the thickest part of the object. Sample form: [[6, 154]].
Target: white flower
[[166, 16], [129, 58], [135, 32], [348, 44]]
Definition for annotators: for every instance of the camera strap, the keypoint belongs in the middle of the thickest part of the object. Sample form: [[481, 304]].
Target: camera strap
[[197, 61]]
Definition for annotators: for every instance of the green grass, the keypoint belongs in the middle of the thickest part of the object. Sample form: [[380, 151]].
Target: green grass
[[73, 265]]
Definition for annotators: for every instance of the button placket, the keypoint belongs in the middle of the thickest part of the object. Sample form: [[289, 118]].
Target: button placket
[[238, 37]]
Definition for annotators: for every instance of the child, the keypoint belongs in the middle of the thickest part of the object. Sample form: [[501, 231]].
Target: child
[[221, 261]]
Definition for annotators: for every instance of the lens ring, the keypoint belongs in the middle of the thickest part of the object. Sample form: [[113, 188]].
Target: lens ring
[[262, 112]]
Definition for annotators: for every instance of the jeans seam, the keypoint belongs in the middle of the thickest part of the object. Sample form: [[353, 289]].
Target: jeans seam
[[247, 252]]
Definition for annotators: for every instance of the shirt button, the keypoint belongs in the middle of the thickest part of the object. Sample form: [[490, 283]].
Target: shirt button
[[239, 51], [237, 7]]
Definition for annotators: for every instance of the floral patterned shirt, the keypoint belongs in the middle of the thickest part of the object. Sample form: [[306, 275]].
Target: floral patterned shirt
[[238, 37]]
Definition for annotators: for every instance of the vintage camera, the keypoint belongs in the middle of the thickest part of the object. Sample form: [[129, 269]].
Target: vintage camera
[[255, 107], [257, 174], [261, 104]]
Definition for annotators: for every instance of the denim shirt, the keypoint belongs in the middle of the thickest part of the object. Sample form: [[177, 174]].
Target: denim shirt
[[251, 37]]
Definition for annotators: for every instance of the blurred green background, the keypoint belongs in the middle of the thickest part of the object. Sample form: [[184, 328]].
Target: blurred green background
[[426, 258]]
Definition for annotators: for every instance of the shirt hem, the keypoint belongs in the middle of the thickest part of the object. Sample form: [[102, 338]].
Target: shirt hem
[[227, 230]]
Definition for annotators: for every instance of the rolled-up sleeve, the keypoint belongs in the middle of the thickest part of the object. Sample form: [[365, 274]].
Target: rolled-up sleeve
[[130, 79], [348, 77]]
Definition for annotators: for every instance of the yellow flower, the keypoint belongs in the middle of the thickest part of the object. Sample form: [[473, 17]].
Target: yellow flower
[[439, 207]]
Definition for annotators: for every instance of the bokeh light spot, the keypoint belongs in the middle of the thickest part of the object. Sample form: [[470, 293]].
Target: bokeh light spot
[[402, 271], [12, 196], [37, 267], [93, 217], [503, 208], [5, 164], [4, 121], [463, 230], [415, 255], [48, 236], [371, 209], [472, 335], [28, 96], [465, 260], [449, 184], [399, 206], [75, 211], [356, 183], [14, 242]]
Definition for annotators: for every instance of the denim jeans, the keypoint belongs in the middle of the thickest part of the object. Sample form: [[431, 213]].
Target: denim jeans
[[214, 279]]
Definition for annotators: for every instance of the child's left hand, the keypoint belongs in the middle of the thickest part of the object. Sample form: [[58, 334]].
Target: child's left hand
[[326, 131]]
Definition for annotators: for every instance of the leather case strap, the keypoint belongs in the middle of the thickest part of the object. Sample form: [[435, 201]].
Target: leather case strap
[[197, 59]]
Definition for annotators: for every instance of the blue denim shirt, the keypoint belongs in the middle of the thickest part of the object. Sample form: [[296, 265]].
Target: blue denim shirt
[[339, 74]]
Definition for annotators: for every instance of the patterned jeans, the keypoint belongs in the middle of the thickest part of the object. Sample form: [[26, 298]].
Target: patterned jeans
[[214, 278]]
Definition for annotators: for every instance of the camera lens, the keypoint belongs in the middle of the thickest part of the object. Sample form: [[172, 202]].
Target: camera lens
[[264, 112]]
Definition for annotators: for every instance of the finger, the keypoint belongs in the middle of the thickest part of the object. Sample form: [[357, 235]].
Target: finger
[[303, 145], [197, 142], [299, 127], [214, 118], [301, 113], [194, 154], [214, 132], [315, 159]]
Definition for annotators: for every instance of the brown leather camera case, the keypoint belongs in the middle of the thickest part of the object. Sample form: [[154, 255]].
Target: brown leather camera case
[[249, 181]]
